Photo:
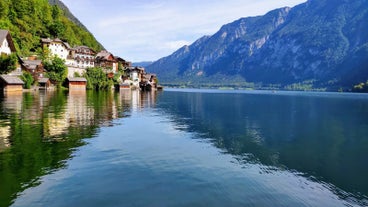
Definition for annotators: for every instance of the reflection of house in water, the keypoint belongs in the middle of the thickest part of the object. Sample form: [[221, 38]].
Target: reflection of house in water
[[55, 125], [76, 114], [148, 99], [80, 114], [138, 99], [4, 137], [12, 102]]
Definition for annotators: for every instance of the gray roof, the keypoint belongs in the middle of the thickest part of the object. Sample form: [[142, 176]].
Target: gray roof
[[3, 34], [77, 80], [43, 80], [12, 80], [48, 40], [103, 55], [32, 64]]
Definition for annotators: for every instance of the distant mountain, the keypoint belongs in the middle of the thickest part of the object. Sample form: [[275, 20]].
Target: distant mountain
[[29, 21], [320, 43], [142, 64]]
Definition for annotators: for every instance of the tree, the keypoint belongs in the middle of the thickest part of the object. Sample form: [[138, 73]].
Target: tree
[[8, 63], [28, 79], [97, 79], [4, 8], [56, 70]]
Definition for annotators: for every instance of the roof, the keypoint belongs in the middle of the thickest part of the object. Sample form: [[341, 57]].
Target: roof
[[12, 80], [31, 64], [104, 55], [135, 68], [48, 40], [5, 34], [77, 80], [78, 48], [43, 80]]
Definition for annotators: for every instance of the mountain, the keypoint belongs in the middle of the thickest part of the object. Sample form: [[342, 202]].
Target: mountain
[[30, 20], [142, 64], [67, 13], [320, 43]]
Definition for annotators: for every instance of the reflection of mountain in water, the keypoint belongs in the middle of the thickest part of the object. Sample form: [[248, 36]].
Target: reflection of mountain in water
[[320, 137], [39, 132]]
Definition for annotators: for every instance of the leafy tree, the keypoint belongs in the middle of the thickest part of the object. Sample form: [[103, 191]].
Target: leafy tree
[[56, 70], [8, 63], [4, 8], [30, 20], [28, 79], [97, 79]]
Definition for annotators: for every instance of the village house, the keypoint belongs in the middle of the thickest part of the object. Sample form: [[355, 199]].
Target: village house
[[84, 57], [122, 62], [107, 61], [148, 82], [134, 76], [80, 58], [6, 43], [57, 48], [7, 48]]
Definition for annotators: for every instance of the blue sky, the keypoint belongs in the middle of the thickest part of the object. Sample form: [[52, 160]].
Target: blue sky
[[146, 30]]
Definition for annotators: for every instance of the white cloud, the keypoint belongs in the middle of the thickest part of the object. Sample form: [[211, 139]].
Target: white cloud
[[149, 29]]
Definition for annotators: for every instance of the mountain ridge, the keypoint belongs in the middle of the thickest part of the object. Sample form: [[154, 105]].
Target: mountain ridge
[[323, 43]]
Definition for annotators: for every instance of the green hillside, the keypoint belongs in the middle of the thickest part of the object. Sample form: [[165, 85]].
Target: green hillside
[[30, 20]]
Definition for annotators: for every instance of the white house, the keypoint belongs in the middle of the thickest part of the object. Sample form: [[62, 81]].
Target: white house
[[6, 43], [135, 75], [84, 57], [57, 47]]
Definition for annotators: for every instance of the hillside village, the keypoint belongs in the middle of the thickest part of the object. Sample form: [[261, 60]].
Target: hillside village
[[77, 60]]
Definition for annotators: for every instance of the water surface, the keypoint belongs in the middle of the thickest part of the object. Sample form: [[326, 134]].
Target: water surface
[[184, 148]]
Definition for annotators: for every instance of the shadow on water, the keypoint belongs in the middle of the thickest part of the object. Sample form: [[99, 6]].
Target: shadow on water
[[321, 138], [40, 131]]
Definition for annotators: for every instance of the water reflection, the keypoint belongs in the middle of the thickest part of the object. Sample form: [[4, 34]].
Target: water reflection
[[39, 131], [323, 139], [248, 149]]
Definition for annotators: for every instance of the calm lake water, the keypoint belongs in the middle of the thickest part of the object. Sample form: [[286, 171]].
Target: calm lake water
[[184, 148]]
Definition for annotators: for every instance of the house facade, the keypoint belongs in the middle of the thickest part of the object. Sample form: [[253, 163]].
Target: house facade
[[6, 43], [57, 48], [81, 57], [106, 60], [134, 75]]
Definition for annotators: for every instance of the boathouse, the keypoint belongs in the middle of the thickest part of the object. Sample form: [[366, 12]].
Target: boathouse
[[11, 83], [44, 83], [77, 83]]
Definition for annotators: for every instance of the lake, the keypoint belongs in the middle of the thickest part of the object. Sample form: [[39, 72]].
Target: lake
[[183, 147]]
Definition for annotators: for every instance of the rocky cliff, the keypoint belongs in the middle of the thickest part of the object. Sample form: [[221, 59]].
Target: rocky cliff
[[321, 42]]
